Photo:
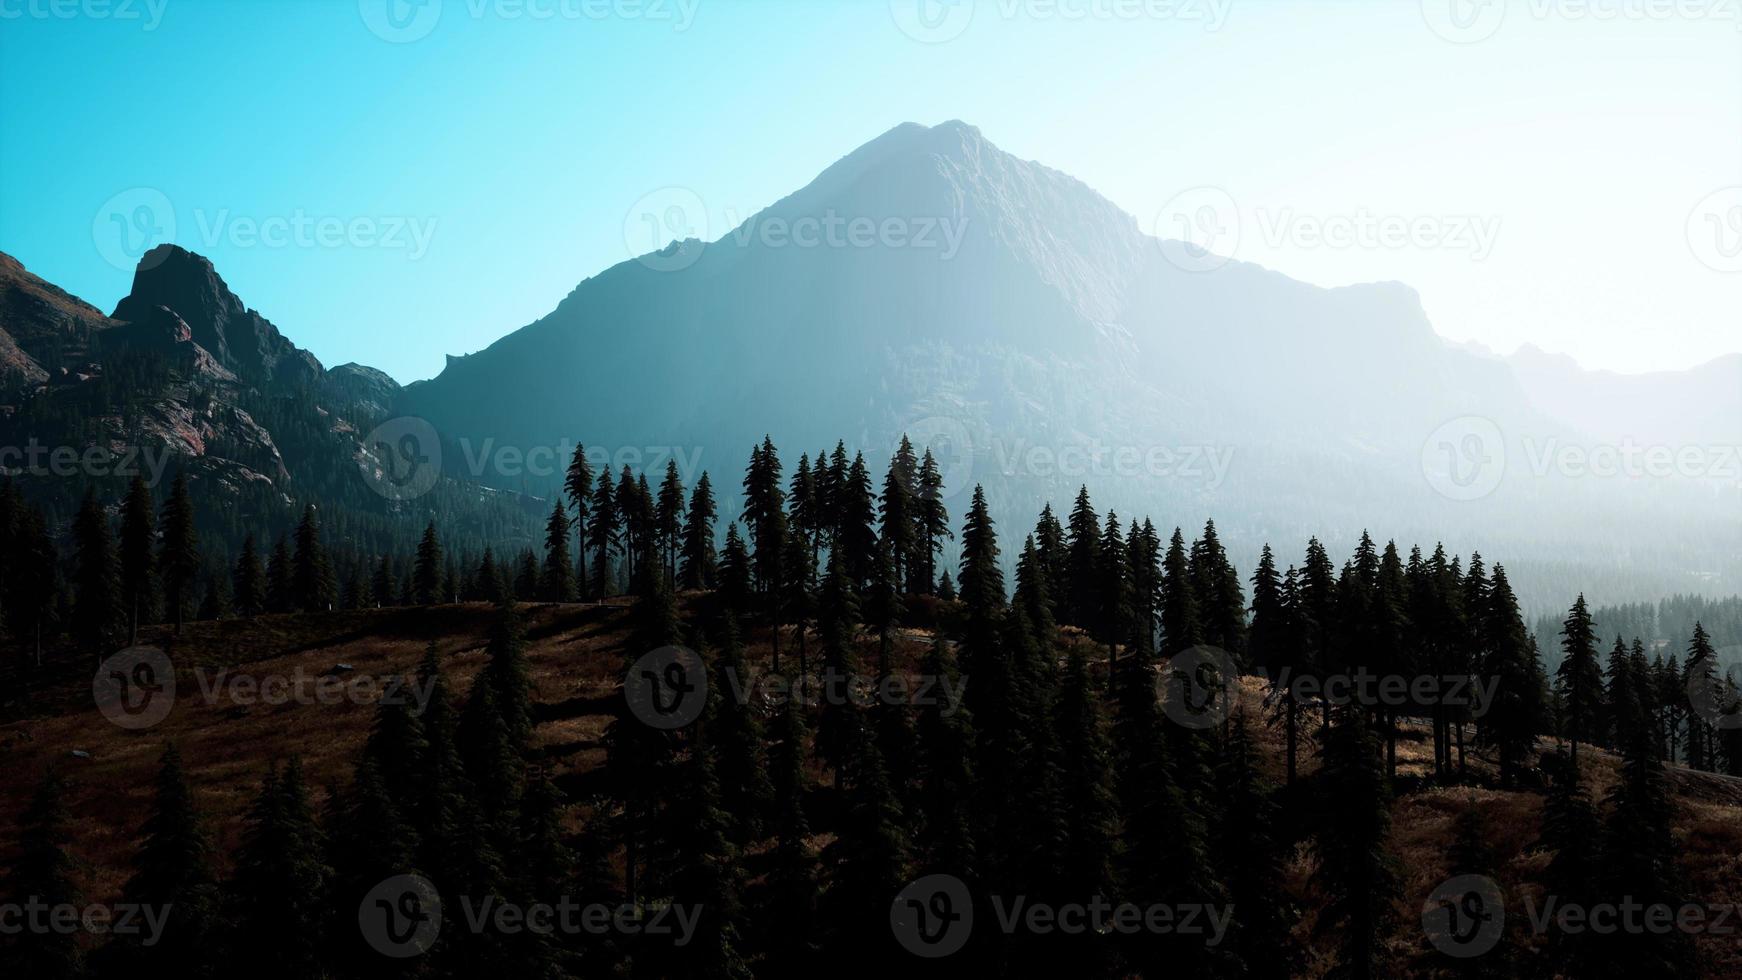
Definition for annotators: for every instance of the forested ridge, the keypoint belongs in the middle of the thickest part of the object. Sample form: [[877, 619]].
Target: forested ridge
[[1086, 732]]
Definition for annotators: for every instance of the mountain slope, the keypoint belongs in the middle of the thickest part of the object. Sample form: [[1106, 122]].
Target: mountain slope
[[1029, 323], [186, 380]]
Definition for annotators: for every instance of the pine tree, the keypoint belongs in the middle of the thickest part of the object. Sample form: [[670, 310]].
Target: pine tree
[[699, 571], [528, 584], [1580, 680], [1516, 716], [1571, 830], [1355, 869], [313, 579], [558, 578], [216, 604], [1252, 857], [945, 776], [43, 873], [1050, 549], [180, 555], [427, 573], [1112, 589], [736, 732], [280, 882], [1700, 676], [735, 586], [793, 890], [1083, 562], [280, 590], [578, 488], [1639, 866], [669, 518], [797, 598], [898, 512], [872, 856], [35, 599], [173, 870], [1472, 853], [1181, 627], [604, 534], [385, 584], [933, 517], [1090, 847], [368, 842], [840, 727], [97, 613], [1267, 639], [707, 875], [139, 591], [1217, 594]]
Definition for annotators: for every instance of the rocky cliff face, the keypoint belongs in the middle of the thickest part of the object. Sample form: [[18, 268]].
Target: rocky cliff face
[[243, 341], [173, 374], [43, 330]]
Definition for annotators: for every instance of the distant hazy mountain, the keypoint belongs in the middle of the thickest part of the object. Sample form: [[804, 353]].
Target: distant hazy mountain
[[1025, 320]]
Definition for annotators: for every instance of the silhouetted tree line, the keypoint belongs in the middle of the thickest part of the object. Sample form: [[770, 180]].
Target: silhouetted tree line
[[792, 824]]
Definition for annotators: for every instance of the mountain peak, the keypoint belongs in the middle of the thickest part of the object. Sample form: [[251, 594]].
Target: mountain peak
[[188, 285]]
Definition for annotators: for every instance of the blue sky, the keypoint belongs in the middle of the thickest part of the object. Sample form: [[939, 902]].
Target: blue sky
[[1567, 173]]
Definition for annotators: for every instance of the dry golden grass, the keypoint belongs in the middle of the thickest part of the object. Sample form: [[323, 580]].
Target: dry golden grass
[[574, 653]]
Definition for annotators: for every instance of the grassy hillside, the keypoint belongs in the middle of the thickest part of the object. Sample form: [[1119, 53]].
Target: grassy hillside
[[575, 652]]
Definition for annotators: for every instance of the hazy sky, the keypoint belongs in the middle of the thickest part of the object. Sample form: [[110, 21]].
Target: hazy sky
[[1562, 172]]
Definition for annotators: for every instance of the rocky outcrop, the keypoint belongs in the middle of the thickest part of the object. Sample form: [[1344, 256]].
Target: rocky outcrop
[[42, 329], [162, 332], [242, 340], [369, 391]]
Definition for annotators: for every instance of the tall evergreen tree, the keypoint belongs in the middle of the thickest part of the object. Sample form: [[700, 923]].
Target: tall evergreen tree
[[699, 565], [280, 883], [180, 555], [313, 582], [427, 573], [1517, 713], [280, 588], [1700, 675], [97, 613], [558, 578], [669, 518], [173, 870], [1580, 680], [139, 590], [43, 873], [578, 490], [934, 516], [1252, 854], [604, 534], [1083, 561], [1356, 869]]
